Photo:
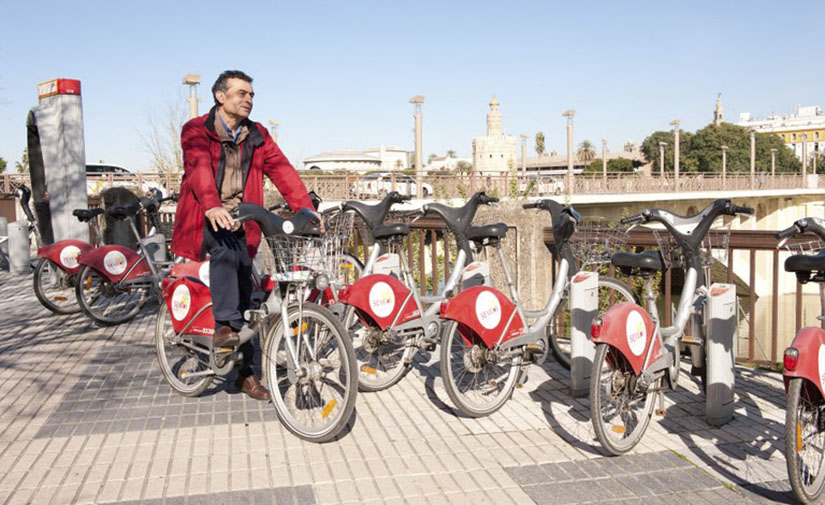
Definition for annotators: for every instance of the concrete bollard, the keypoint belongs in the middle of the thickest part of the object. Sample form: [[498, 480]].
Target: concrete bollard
[[19, 248]]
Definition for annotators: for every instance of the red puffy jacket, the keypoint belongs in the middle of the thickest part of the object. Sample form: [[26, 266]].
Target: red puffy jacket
[[203, 165]]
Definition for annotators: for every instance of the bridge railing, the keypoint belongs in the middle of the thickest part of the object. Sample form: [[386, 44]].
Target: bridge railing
[[513, 184]]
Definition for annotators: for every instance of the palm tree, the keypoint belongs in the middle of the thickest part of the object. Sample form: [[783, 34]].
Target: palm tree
[[586, 152], [540, 143]]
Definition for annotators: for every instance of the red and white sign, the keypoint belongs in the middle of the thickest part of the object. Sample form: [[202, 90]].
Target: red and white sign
[[488, 310], [382, 299], [181, 301], [636, 332], [68, 256], [114, 262], [58, 87], [821, 366], [203, 273]]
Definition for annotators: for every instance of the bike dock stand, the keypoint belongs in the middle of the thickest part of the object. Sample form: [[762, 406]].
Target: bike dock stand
[[720, 353], [584, 305]]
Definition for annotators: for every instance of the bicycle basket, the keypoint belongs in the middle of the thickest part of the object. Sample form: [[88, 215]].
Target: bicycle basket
[[810, 247], [714, 247], [297, 259], [595, 241]]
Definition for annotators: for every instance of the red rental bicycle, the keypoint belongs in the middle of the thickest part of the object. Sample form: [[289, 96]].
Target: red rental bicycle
[[804, 375]]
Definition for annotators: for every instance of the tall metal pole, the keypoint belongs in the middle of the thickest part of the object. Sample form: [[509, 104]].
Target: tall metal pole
[[804, 156], [724, 165], [418, 100], [675, 123], [753, 158], [273, 129], [604, 159], [662, 146], [569, 115], [192, 80], [523, 155], [773, 162]]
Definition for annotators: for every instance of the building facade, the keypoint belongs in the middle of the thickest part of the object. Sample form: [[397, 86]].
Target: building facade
[[495, 152], [806, 125], [380, 158]]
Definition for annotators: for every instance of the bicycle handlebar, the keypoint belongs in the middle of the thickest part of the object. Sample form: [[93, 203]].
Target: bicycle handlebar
[[739, 209], [530, 206], [634, 219], [788, 232]]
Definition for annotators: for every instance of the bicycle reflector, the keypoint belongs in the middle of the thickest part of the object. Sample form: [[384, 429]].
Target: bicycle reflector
[[791, 359], [596, 328]]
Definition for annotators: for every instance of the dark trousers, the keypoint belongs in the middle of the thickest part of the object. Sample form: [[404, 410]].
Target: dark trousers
[[230, 283]]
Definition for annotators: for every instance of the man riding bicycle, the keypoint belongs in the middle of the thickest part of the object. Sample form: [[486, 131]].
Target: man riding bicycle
[[225, 156]]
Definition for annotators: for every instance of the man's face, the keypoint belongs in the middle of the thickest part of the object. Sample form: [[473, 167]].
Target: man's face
[[237, 101]]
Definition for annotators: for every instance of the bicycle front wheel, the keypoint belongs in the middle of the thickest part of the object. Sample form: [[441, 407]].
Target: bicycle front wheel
[[620, 406], [54, 287], [611, 292], [106, 302], [805, 440], [311, 373], [478, 380]]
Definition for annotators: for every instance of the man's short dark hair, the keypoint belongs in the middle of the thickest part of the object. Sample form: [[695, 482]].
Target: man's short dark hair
[[221, 83]]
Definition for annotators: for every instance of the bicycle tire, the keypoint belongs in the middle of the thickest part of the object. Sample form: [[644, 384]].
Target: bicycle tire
[[804, 410], [376, 372], [91, 286], [172, 373], [45, 271]]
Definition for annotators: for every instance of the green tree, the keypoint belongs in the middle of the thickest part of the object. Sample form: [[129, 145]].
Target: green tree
[[2, 165], [706, 152], [451, 154], [586, 151], [650, 148], [430, 158], [540, 143], [22, 166], [463, 167]]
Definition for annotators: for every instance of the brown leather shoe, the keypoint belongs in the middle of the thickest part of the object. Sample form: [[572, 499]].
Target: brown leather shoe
[[252, 387], [225, 337]]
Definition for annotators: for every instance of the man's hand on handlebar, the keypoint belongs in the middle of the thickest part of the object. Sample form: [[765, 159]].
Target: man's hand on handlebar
[[219, 217]]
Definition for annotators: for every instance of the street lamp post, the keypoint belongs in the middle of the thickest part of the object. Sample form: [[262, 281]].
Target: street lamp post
[[662, 146], [753, 158], [773, 162], [604, 159], [724, 165], [192, 80], [523, 155], [569, 113], [804, 156], [418, 100], [675, 123], [273, 129]]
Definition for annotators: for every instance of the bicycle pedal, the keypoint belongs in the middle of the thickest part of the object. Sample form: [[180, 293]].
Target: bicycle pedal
[[522, 378]]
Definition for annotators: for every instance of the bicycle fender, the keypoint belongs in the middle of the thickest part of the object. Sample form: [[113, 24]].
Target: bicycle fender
[[65, 254], [484, 313], [383, 298], [185, 297], [811, 365], [629, 329], [196, 269], [115, 262]]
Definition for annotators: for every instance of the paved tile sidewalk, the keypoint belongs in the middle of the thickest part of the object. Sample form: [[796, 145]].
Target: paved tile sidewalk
[[86, 418]]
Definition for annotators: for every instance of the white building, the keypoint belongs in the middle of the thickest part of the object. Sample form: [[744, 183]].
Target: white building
[[381, 158], [446, 163], [496, 152], [343, 159], [806, 124]]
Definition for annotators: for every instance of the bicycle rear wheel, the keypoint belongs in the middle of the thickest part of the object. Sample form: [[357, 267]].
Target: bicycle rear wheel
[[106, 302], [381, 356], [611, 292], [178, 362], [805, 440], [620, 407], [314, 394], [477, 379], [54, 287]]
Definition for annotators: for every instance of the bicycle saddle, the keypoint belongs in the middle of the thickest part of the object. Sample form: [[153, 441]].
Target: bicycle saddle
[[124, 211], [805, 262], [487, 231], [86, 215], [391, 230], [650, 261]]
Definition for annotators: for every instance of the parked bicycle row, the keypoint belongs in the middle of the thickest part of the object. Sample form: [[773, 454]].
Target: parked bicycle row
[[330, 326]]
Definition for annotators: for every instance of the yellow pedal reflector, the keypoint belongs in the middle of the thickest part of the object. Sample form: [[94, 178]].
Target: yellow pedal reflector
[[88, 282], [798, 437], [368, 369], [60, 299], [184, 375], [346, 266], [303, 329], [618, 429], [328, 408]]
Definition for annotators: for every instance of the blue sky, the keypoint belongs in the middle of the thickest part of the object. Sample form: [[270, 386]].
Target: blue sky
[[340, 74]]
